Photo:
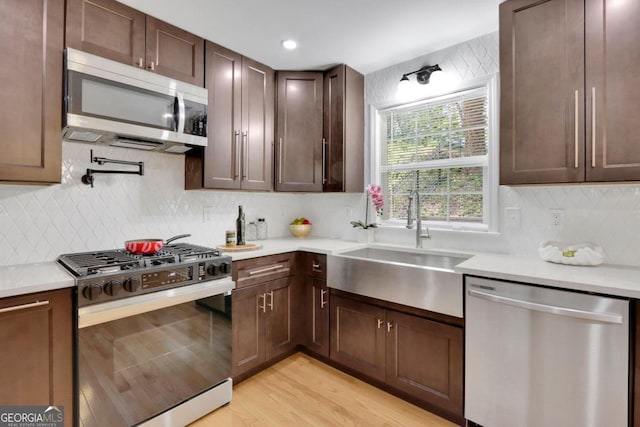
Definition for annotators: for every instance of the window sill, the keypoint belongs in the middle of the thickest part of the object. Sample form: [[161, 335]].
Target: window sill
[[479, 230]]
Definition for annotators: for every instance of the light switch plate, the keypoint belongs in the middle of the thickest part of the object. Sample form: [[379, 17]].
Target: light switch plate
[[512, 217]]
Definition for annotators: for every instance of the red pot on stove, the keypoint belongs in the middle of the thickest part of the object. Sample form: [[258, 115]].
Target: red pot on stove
[[149, 246]]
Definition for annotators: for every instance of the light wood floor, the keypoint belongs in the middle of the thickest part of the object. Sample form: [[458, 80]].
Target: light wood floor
[[301, 391]]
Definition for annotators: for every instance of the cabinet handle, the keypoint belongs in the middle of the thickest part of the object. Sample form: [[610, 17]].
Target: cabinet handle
[[280, 161], [23, 306], [593, 127], [323, 301], [576, 118], [270, 300], [315, 267], [265, 270], [152, 66], [389, 326], [262, 307], [245, 149], [237, 145], [380, 323], [140, 63], [324, 160]]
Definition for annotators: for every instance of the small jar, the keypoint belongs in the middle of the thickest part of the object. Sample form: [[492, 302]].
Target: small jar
[[262, 229], [230, 238], [252, 231]]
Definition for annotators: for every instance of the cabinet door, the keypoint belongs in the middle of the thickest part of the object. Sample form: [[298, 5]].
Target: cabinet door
[[424, 359], [173, 52], [258, 103], [343, 130], [37, 360], [541, 91], [248, 328], [358, 336], [107, 28], [318, 326], [222, 159], [31, 42], [279, 329], [612, 79], [299, 131]]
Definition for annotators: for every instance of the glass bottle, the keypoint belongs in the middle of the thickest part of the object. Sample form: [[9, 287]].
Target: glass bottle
[[252, 231], [240, 227], [262, 229]]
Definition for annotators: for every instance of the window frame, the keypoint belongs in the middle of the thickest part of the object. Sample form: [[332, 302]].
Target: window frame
[[490, 184]]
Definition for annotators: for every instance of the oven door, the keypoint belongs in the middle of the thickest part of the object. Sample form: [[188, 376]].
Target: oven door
[[142, 356]]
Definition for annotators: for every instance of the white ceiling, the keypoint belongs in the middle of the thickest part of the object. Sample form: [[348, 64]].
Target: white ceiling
[[366, 34]]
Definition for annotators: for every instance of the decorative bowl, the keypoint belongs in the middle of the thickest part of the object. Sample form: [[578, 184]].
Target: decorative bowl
[[300, 230]]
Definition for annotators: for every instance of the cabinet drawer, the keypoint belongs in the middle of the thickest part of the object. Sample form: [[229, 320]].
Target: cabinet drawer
[[259, 270], [315, 265]]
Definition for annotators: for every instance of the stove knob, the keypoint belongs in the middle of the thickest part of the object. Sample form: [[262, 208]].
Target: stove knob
[[225, 267], [211, 270], [131, 284], [113, 287], [92, 291]]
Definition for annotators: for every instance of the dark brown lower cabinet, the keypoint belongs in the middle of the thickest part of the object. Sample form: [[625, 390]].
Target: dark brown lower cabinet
[[318, 316], [419, 357], [358, 336], [36, 360], [262, 324]]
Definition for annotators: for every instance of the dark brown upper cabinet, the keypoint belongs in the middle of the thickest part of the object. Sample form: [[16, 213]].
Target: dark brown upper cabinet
[[31, 70], [561, 120], [239, 154], [343, 141], [298, 153], [112, 30]]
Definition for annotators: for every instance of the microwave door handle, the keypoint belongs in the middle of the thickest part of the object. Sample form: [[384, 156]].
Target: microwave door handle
[[181, 112]]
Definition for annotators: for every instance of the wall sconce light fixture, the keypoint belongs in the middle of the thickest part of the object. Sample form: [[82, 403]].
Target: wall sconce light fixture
[[422, 75]]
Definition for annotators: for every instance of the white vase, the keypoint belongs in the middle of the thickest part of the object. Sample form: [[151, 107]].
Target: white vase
[[365, 236]]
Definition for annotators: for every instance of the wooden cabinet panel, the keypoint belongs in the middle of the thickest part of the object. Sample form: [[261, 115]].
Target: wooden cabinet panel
[[223, 81], [279, 329], [173, 52], [612, 61], [38, 368], [263, 269], [107, 28], [299, 131], [542, 96], [240, 125], [358, 336], [258, 104], [248, 343], [343, 130], [31, 40], [424, 359], [318, 325], [114, 31]]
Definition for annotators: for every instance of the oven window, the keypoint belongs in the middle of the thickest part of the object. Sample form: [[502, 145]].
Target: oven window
[[134, 368]]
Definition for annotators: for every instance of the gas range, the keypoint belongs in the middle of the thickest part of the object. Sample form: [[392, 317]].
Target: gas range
[[114, 274]]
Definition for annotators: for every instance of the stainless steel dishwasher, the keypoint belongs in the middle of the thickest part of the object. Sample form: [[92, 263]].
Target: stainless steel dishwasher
[[540, 357]]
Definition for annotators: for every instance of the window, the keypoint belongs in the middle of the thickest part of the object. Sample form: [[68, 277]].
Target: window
[[443, 148]]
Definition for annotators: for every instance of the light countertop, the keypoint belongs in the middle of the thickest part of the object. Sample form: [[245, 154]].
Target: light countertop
[[606, 279], [29, 278], [309, 244]]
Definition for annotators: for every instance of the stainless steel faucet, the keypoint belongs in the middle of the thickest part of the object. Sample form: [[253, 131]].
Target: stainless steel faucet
[[419, 235]]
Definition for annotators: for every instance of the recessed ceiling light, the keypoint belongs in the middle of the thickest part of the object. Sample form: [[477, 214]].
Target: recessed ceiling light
[[289, 44]]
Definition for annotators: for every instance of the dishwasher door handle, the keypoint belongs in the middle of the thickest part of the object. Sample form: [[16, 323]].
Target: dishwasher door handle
[[561, 311]]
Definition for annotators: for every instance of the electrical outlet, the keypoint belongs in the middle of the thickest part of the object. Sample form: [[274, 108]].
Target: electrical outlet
[[557, 219], [348, 213], [512, 218], [207, 213]]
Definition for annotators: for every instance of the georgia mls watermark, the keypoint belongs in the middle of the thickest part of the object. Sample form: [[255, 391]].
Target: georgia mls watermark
[[32, 416]]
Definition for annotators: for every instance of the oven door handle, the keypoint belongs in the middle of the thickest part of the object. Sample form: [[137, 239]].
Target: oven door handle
[[119, 309]]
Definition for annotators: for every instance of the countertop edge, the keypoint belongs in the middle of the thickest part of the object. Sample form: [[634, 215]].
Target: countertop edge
[[40, 277]]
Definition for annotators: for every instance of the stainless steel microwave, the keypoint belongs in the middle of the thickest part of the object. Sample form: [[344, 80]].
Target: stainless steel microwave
[[107, 102]]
